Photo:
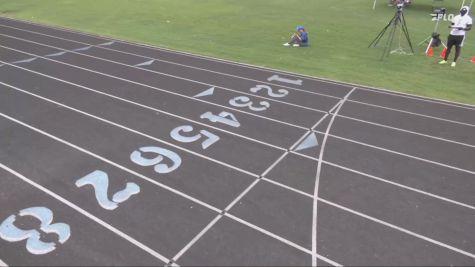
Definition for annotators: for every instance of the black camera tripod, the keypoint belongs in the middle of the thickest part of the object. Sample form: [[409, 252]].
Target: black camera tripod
[[398, 21]]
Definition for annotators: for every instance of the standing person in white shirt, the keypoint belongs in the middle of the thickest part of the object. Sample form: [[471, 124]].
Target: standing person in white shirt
[[460, 25]]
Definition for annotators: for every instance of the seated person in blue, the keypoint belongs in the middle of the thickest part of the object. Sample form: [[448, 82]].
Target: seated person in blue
[[300, 38]]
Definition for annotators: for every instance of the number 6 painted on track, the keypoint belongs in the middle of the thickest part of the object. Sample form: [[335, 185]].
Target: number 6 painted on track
[[137, 158], [10, 233]]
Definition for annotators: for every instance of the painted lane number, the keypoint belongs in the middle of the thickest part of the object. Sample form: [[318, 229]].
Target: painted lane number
[[224, 117], [280, 92], [9, 232], [99, 180], [161, 153], [177, 134], [244, 101]]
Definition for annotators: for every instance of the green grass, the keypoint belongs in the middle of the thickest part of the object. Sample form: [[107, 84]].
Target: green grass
[[252, 31]]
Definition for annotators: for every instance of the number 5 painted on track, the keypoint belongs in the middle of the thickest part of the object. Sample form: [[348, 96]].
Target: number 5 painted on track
[[176, 134]]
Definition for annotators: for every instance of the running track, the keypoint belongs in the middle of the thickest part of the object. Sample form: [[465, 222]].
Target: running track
[[113, 153]]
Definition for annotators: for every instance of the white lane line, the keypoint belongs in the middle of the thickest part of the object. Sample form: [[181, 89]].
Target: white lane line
[[133, 131], [402, 186], [88, 215], [378, 221], [398, 153], [143, 177], [159, 89], [3, 264], [139, 67], [418, 98], [288, 242], [145, 106], [317, 177], [411, 233], [257, 67], [413, 113], [406, 131]]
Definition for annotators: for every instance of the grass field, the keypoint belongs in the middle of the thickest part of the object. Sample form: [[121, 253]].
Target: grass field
[[252, 31]]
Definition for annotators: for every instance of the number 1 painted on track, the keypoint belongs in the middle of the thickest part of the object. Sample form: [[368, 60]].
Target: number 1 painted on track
[[277, 78]]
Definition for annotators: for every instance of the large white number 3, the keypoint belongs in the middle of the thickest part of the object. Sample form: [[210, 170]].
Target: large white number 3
[[137, 158], [244, 101], [10, 233]]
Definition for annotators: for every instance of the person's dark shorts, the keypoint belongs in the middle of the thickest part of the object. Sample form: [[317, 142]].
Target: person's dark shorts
[[456, 40]]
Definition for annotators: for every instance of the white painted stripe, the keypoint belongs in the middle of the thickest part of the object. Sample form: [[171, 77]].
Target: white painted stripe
[[407, 131], [143, 177], [145, 106], [262, 68], [317, 177], [3, 264], [283, 240], [88, 215], [160, 89], [134, 131]]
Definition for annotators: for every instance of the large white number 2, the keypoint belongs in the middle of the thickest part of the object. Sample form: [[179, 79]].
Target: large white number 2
[[100, 181], [10, 233], [176, 134], [270, 92], [137, 158]]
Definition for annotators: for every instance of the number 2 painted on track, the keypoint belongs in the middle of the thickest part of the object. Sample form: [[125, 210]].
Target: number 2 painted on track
[[270, 92], [99, 180], [9, 232]]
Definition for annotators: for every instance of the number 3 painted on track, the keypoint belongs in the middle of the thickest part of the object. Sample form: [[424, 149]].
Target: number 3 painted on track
[[10, 233]]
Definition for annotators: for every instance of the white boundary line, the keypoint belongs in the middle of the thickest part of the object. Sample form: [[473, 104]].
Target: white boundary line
[[245, 65], [88, 215], [174, 63], [3, 264], [148, 86], [314, 159], [317, 177]]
